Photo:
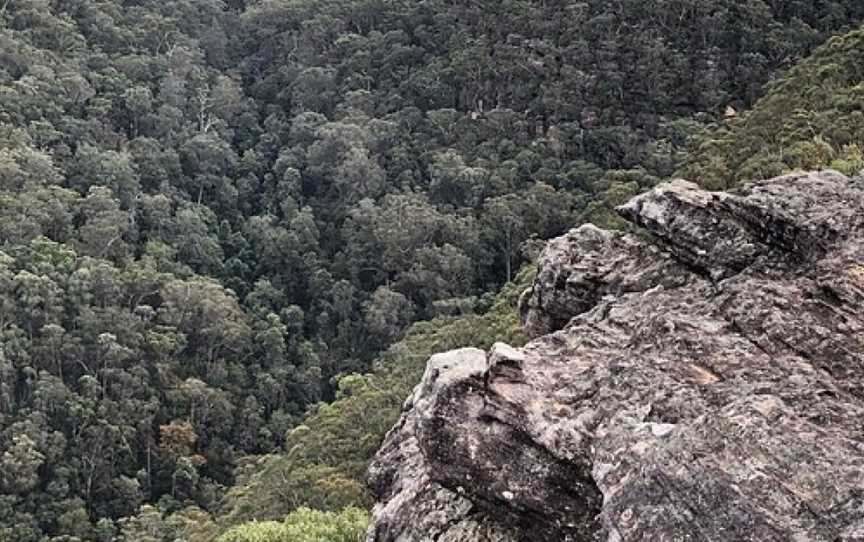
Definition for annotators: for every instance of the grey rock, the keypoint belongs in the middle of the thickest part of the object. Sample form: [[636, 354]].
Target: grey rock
[[705, 384]]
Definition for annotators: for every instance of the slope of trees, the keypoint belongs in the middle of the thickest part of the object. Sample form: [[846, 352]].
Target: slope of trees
[[212, 212], [811, 118]]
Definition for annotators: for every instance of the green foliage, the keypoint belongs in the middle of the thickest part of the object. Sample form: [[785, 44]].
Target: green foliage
[[811, 118], [305, 525], [265, 531], [326, 456]]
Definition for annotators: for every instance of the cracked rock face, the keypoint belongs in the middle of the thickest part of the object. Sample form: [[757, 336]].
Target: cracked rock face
[[707, 385]]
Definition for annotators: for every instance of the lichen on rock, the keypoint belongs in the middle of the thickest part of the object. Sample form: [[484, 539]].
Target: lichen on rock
[[706, 385]]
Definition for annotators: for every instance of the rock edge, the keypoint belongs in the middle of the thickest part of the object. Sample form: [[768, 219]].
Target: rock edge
[[706, 384]]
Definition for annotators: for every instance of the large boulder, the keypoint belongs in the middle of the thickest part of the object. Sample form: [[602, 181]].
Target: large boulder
[[701, 381]]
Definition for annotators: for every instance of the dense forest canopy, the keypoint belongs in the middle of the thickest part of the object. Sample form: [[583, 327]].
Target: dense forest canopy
[[811, 118], [211, 211]]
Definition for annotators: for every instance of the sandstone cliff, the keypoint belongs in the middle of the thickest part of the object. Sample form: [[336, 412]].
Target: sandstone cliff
[[706, 384]]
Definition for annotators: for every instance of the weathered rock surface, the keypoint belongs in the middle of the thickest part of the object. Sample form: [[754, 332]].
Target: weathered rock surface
[[704, 386]]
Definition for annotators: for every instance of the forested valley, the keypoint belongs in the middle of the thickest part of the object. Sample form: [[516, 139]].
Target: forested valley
[[232, 232]]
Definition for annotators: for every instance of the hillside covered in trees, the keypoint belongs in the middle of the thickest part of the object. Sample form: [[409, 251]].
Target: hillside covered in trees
[[811, 118], [212, 213]]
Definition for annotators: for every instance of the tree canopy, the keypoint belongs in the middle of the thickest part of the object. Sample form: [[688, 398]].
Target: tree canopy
[[811, 118]]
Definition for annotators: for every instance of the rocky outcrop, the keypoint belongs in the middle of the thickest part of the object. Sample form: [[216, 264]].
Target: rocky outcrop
[[703, 382]]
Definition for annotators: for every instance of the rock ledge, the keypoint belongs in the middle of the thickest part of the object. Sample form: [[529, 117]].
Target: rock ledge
[[706, 385]]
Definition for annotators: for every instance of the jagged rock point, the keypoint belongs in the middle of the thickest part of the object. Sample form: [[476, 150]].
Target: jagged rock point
[[701, 381]]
